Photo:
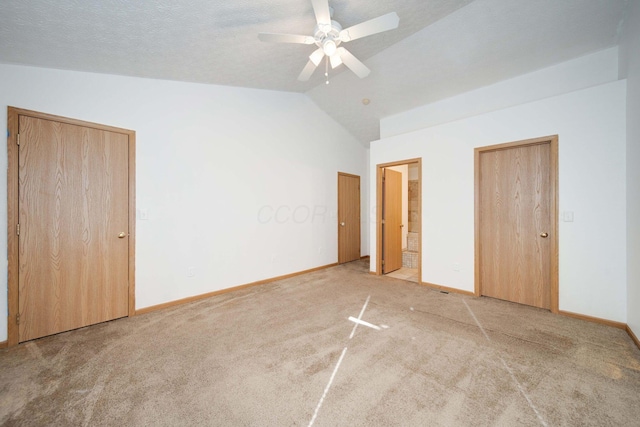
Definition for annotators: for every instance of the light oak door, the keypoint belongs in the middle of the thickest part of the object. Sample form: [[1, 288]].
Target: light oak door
[[73, 219], [515, 222], [348, 218], [391, 221]]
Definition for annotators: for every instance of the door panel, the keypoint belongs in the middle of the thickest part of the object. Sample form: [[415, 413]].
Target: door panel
[[515, 213], [392, 221], [348, 218], [73, 203]]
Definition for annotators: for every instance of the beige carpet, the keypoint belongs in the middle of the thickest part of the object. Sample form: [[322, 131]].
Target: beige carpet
[[281, 355]]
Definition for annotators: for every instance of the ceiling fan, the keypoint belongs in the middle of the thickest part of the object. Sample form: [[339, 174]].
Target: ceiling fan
[[328, 35]]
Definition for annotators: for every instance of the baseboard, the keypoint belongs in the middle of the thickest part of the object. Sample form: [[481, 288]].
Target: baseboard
[[4, 344], [633, 336], [362, 258], [226, 290], [447, 289], [607, 322]]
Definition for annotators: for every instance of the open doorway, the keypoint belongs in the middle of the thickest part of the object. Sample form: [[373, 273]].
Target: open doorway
[[399, 202]]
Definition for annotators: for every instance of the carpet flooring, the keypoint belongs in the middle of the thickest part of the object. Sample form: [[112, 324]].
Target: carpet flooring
[[336, 347]]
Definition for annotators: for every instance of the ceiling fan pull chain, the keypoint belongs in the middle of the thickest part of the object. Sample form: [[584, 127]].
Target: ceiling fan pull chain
[[326, 69]]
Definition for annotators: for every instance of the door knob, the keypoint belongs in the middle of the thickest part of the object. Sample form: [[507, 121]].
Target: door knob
[[544, 235], [122, 235], [342, 224]]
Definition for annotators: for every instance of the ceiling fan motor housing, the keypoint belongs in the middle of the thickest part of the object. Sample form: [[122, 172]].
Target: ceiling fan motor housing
[[328, 37]]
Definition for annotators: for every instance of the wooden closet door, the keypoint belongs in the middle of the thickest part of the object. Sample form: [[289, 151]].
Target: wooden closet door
[[73, 219], [348, 218], [515, 224]]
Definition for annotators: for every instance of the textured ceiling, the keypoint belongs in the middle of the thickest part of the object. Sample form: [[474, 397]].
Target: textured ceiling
[[440, 49], [480, 44]]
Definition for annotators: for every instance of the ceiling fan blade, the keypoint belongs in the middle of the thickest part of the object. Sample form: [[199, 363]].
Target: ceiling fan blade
[[373, 26], [321, 9], [335, 61], [353, 63], [285, 38], [307, 71], [316, 56]]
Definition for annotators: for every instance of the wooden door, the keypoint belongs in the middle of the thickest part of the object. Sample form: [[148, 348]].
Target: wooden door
[[392, 221], [348, 218], [515, 222], [73, 219]]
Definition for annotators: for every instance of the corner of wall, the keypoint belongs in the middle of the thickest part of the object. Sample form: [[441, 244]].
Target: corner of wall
[[630, 68], [575, 74]]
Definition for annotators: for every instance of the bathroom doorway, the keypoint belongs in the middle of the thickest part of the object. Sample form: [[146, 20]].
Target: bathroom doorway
[[399, 220]]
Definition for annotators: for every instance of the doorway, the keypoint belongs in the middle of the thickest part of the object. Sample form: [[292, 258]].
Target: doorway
[[398, 231], [348, 217], [71, 221], [516, 247]]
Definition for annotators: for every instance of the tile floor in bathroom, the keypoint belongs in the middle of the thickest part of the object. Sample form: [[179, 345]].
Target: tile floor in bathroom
[[409, 274]]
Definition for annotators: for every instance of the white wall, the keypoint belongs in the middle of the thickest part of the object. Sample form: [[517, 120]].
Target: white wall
[[591, 128], [404, 170], [580, 73], [630, 68], [239, 183]]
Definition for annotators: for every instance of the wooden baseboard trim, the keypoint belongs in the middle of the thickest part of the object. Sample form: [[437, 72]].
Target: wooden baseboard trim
[[373, 273], [607, 322], [4, 344], [226, 290], [447, 289], [633, 336], [362, 258]]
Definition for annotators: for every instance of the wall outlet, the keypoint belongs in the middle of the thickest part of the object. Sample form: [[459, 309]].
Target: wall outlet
[[567, 216], [191, 271], [456, 267], [144, 214]]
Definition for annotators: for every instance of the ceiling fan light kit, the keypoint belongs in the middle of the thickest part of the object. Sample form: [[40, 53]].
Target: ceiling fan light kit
[[328, 35]]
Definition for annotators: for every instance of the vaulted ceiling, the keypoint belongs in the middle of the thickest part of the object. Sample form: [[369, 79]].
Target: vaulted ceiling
[[440, 49]]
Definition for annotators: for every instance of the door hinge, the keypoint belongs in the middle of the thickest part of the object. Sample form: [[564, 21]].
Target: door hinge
[[18, 138], [18, 229], [383, 221], [17, 319], [382, 262]]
